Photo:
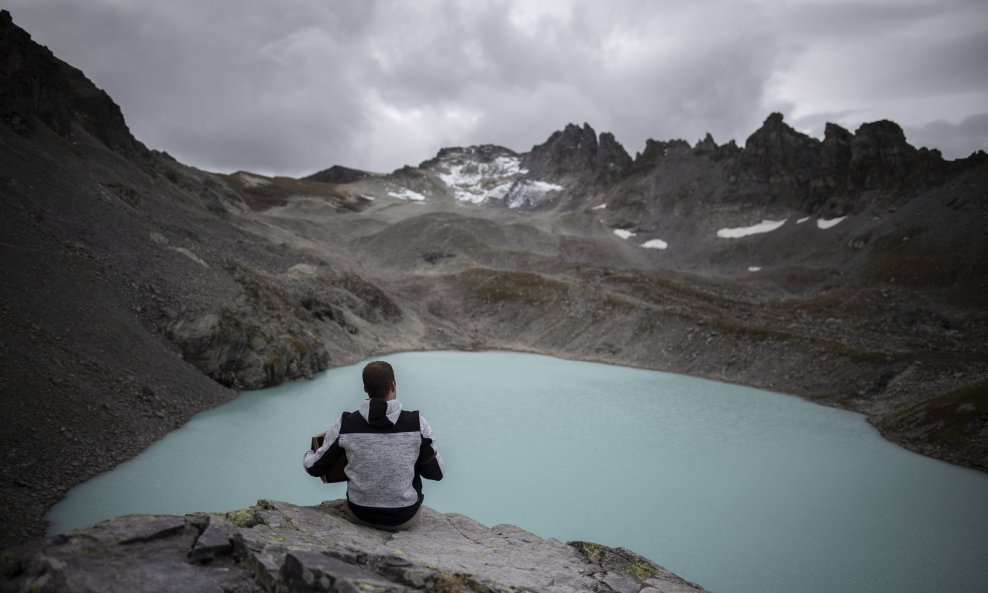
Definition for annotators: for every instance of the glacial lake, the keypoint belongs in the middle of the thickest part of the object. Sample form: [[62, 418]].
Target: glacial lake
[[737, 489]]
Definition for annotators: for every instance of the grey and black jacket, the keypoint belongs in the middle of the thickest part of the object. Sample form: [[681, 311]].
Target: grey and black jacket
[[388, 453]]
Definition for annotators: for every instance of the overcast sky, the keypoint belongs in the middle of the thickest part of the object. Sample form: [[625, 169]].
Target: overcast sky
[[293, 86]]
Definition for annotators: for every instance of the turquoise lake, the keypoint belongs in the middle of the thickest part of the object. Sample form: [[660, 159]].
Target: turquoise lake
[[737, 489]]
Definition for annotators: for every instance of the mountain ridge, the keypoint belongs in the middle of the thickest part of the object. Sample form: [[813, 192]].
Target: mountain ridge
[[876, 157]]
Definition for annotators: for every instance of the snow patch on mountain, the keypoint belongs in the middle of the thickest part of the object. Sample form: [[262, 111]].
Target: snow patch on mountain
[[826, 223], [403, 193], [477, 182], [482, 174], [764, 226], [655, 244], [527, 192], [623, 233]]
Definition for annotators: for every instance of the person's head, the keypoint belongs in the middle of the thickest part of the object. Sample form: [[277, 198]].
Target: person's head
[[379, 379]]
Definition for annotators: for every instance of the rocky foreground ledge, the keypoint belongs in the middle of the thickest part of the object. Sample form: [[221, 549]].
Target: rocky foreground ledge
[[280, 547]]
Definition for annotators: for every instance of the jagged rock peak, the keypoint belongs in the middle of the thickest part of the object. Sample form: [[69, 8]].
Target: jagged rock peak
[[708, 147], [884, 132], [656, 150], [881, 157], [705, 146], [776, 151], [612, 154], [575, 132], [775, 134], [481, 151], [774, 119], [339, 174], [38, 88], [576, 152], [875, 157], [836, 133]]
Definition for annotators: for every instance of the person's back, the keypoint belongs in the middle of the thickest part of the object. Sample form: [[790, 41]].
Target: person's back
[[388, 450]]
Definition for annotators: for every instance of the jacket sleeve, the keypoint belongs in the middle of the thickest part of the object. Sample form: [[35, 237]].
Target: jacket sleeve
[[318, 462], [430, 464]]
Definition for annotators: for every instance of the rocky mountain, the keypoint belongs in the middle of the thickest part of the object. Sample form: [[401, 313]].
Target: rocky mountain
[[277, 546], [36, 89], [132, 298], [138, 291], [840, 174]]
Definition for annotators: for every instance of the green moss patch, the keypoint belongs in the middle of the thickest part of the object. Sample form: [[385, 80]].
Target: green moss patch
[[244, 517]]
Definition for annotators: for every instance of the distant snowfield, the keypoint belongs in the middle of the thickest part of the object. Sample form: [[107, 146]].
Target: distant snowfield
[[754, 268], [765, 226], [650, 244], [655, 244], [479, 182], [600, 207], [528, 192], [826, 223], [498, 179], [404, 193]]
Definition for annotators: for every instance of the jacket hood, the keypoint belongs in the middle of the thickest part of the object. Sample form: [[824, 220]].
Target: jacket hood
[[378, 412]]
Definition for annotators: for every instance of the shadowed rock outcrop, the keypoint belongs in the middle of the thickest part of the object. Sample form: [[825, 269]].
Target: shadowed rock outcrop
[[778, 154], [35, 87], [338, 174], [876, 157], [280, 547], [575, 154]]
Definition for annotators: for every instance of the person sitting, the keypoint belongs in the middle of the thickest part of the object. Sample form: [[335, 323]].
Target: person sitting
[[388, 451]]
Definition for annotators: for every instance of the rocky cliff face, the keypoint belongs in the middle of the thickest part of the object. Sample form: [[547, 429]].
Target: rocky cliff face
[[36, 88], [576, 157], [280, 547], [874, 158]]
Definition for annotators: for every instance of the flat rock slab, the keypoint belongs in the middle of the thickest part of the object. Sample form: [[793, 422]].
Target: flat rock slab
[[278, 546]]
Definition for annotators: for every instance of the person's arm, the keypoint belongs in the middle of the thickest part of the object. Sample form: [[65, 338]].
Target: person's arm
[[317, 463], [430, 464]]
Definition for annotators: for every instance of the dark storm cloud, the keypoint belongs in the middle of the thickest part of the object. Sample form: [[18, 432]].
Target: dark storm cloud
[[223, 85], [633, 70], [913, 62], [972, 131], [295, 86]]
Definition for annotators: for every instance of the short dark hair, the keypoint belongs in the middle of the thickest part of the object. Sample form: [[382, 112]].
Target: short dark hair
[[378, 377]]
